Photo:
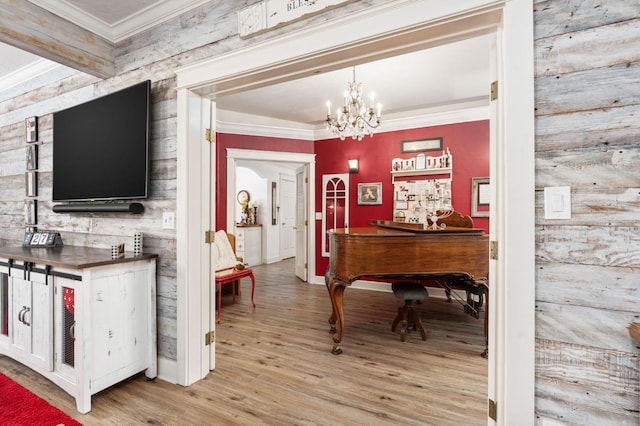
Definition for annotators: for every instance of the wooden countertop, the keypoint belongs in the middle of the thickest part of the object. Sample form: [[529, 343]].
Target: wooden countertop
[[71, 257]]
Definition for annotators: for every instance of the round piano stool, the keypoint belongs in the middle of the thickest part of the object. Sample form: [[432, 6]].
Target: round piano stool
[[409, 314]]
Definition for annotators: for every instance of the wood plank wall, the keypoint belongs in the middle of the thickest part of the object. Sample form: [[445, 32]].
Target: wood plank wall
[[587, 97], [587, 136], [206, 31]]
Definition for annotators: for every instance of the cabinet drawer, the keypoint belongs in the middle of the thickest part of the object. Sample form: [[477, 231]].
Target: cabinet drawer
[[239, 234], [239, 246]]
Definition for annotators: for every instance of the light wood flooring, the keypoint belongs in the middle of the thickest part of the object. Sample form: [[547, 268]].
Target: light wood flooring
[[274, 366]]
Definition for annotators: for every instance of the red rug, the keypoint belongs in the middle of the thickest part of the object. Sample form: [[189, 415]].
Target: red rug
[[20, 407]]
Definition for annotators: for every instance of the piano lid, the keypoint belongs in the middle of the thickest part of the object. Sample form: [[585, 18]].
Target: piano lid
[[387, 226]]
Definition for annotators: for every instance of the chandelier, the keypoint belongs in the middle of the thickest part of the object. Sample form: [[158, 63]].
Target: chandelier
[[353, 118]]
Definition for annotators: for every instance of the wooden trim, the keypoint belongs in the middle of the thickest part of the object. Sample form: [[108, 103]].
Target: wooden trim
[[36, 30]]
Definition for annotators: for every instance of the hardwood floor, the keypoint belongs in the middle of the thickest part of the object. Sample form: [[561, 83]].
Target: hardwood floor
[[274, 366]]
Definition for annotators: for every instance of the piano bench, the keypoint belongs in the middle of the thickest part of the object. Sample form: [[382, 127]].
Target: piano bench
[[409, 313]]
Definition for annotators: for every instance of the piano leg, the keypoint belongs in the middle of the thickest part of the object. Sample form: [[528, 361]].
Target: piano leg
[[336, 321]]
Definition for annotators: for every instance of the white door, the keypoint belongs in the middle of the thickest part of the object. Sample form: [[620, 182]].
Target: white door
[[301, 223], [20, 317], [287, 216], [31, 325]]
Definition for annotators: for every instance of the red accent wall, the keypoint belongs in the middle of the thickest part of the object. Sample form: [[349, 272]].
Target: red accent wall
[[468, 143], [469, 146], [261, 143]]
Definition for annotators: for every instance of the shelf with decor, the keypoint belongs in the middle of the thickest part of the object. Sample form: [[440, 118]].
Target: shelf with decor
[[422, 165], [423, 172], [418, 201]]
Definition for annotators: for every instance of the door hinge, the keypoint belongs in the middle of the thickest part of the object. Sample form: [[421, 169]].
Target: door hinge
[[306, 222], [208, 135], [493, 250], [209, 338], [306, 180], [306, 266], [494, 90], [493, 410], [209, 237]]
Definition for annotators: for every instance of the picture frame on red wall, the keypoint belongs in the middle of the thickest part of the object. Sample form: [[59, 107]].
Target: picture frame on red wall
[[421, 145], [480, 196], [370, 193]]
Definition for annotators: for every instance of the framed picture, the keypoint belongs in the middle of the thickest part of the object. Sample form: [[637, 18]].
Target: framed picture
[[32, 157], [31, 126], [422, 145], [31, 179], [30, 212], [480, 196], [370, 193]]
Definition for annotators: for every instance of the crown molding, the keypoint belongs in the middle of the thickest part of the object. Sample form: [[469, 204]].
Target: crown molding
[[247, 124], [146, 18], [26, 73], [151, 16]]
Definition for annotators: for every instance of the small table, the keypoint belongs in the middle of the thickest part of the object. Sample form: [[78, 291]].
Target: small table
[[230, 275]]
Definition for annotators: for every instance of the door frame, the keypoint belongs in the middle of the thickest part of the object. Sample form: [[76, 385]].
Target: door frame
[[386, 30], [309, 160], [302, 240]]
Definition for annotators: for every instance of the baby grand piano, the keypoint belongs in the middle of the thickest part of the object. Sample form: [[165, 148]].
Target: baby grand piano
[[453, 258]]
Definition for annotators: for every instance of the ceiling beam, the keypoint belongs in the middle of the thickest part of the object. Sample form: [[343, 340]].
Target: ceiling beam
[[38, 31]]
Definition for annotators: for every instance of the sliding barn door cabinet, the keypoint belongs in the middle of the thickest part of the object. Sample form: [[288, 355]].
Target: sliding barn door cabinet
[[76, 316]]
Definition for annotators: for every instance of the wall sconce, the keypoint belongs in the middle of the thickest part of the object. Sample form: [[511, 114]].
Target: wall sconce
[[353, 165]]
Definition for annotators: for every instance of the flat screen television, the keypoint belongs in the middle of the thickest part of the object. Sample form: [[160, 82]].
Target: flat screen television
[[101, 147]]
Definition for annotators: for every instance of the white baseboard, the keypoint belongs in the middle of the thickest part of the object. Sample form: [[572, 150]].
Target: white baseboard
[[168, 370]]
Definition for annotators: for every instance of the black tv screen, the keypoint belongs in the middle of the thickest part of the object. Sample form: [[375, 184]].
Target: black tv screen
[[101, 147]]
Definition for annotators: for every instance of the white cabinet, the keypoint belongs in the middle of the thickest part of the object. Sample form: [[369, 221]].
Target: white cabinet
[[85, 325], [249, 244]]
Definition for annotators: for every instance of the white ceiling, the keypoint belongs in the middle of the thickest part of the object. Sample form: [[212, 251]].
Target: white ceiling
[[457, 73]]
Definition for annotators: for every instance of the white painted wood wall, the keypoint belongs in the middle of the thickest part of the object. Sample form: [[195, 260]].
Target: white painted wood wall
[[587, 97], [587, 65]]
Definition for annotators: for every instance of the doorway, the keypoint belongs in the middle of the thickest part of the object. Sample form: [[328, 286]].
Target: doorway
[[385, 30], [304, 250], [275, 185]]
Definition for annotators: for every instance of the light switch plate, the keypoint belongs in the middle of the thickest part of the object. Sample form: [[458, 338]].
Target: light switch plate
[[557, 202], [168, 220]]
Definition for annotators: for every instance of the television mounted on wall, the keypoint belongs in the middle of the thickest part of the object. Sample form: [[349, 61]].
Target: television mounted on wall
[[101, 148]]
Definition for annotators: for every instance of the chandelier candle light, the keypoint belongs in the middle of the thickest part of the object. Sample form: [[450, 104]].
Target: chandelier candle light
[[354, 118]]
